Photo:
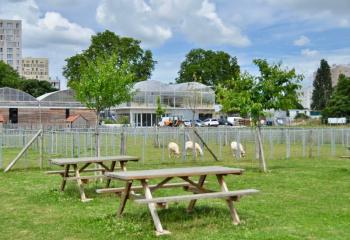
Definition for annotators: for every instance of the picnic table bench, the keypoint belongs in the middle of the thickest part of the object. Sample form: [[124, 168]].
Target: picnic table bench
[[197, 188], [75, 175]]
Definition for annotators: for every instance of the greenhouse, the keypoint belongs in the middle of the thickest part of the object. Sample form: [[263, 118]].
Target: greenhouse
[[52, 108], [180, 100]]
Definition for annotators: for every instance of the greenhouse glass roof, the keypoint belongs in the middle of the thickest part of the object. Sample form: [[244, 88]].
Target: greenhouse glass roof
[[11, 97], [62, 98]]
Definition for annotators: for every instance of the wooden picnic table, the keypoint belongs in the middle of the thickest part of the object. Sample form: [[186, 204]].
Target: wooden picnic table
[[75, 174], [196, 187]]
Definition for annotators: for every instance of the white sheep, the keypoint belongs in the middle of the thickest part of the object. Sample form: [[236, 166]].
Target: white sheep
[[173, 150], [234, 148], [189, 145]]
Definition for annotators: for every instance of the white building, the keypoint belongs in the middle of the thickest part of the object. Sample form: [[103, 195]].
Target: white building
[[35, 68], [179, 100], [11, 43]]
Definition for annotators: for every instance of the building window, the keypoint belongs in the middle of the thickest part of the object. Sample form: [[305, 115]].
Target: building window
[[10, 50], [10, 62], [17, 25], [1, 50], [9, 56], [9, 25]]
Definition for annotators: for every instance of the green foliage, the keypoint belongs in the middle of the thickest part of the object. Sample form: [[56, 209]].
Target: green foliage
[[8, 76], [322, 86], [160, 111], [209, 67], [123, 120], [127, 50], [275, 88], [301, 116], [103, 84], [35, 87], [339, 103], [108, 121]]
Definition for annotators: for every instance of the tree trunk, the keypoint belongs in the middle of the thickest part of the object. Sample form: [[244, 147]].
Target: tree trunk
[[261, 150], [97, 135]]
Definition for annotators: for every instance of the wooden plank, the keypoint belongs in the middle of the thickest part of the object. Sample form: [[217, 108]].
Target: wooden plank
[[153, 210], [174, 172], [124, 197], [64, 161], [20, 154], [233, 211], [117, 190], [199, 187], [199, 196], [84, 177], [71, 171], [65, 174], [80, 184]]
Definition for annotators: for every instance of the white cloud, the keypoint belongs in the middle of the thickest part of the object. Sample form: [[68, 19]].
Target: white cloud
[[309, 53], [302, 41], [155, 21], [326, 13], [46, 34]]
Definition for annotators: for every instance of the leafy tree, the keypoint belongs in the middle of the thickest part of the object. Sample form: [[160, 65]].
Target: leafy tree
[[127, 50], [210, 67], [8, 76], [35, 87], [160, 111], [322, 86], [103, 85], [274, 88], [339, 103]]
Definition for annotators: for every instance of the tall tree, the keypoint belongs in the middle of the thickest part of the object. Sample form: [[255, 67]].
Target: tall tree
[[210, 67], [339, 103], [127, 50], [35, 87], [103, 85], [274, 88], [322, 86], [8, 76], [160, 111]]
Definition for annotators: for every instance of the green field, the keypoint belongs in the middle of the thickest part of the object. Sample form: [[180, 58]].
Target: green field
[[300, 199]]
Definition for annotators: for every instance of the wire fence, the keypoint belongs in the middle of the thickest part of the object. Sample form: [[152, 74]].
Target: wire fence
[[151, 144]]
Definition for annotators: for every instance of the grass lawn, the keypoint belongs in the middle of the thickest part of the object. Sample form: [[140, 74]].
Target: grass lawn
[[300, 199]]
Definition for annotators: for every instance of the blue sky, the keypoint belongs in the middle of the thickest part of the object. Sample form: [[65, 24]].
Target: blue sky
[[297, 32]]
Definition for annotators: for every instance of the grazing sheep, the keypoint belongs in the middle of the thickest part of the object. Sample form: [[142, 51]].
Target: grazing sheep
[[189, 145], [234, 148], [173, 150]]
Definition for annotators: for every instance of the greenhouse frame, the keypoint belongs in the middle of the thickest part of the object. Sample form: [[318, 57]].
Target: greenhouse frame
[[179, 100], [18, 107]]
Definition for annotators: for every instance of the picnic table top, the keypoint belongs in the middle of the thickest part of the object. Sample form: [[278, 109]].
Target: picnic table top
[[65, 161], [173, 172]]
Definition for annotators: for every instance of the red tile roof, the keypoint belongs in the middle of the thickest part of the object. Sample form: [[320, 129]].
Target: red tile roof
[[73, 118]]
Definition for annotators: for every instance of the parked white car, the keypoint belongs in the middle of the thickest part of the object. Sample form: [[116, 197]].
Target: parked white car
[[211, 122]]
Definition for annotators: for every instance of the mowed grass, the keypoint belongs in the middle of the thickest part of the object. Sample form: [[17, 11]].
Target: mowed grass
[[299, 199]]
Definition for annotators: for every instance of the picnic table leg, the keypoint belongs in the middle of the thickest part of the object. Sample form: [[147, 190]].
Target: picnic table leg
[[124, 198], [80, 184], [152, 208], [193, 202], [233, 211], [66, 174], [112, 170]]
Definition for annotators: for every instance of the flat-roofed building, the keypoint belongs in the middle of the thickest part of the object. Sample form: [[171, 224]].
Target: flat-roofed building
[[35, 68], [11, 43]]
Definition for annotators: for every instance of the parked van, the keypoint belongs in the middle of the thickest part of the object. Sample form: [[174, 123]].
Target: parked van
[[234, 120]]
